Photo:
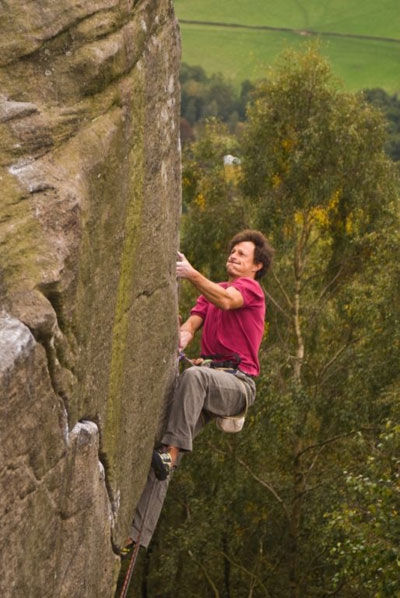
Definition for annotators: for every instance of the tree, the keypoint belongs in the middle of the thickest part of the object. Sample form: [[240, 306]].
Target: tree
[[366, 523], [390, 107], [203, 97], [318, 182], [281, 510], [211, 205]]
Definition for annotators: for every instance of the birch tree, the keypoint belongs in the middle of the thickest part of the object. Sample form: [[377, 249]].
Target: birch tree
[[318, 183]]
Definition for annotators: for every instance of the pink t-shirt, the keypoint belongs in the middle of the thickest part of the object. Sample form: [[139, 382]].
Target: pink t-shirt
[[235, 331]]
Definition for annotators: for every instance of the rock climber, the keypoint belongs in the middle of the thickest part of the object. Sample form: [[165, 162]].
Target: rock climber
[[221, 384]]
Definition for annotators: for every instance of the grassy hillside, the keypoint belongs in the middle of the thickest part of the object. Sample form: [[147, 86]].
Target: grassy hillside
[[241, 53]]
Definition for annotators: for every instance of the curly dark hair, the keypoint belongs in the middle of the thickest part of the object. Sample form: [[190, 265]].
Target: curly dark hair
[[263, 251]]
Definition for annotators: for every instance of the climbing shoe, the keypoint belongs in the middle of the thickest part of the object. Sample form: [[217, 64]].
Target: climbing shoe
[[162, 465]]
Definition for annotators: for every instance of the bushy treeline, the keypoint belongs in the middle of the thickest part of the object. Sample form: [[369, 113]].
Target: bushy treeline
[[203, 97], [305, 501], [390, 106]]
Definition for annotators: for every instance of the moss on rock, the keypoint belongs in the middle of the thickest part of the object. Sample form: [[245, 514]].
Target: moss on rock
[[90, 175]]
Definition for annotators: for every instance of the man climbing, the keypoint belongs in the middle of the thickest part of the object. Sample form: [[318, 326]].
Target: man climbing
[[231, 315]]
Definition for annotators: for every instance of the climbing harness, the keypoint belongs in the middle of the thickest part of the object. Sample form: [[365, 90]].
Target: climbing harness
[[222, 362], [218, 362], [136, 548]]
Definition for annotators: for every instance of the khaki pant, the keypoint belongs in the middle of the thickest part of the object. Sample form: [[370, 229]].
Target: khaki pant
[[201, 393]]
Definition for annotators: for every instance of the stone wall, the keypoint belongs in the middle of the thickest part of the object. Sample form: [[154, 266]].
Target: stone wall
[[89, 210]]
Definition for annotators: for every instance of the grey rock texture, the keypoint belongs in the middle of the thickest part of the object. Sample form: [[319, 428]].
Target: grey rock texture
[[89, 211]]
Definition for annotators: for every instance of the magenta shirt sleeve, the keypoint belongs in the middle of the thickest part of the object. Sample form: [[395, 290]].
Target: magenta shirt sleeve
[[249, 289], [201, 307]]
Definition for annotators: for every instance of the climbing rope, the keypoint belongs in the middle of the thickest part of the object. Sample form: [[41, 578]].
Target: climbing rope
[[136, 548]]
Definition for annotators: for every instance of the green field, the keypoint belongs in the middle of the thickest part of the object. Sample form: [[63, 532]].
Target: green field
[[245, 53]]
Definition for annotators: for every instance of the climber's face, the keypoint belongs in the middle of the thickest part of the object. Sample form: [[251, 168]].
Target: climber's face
[[241, 261]]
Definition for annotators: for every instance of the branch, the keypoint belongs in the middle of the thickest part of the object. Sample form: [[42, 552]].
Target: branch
[[313, 462], [299, 336], [266, 485], [206, 575], [335, 592], [288, 301], [263, 483], [317, 306], [331, 361], [315, 487], [330, 283], [331, 440], [272, 300], [253, 576]]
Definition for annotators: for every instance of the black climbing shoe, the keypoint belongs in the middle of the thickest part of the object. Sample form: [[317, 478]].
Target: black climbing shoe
[[162, 465]]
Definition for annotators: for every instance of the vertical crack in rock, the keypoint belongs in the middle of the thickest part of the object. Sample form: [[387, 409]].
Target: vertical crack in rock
[[41, 311], [85, 511]]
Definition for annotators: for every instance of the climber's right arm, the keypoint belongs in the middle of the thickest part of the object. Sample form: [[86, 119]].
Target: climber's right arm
[[188, 330]]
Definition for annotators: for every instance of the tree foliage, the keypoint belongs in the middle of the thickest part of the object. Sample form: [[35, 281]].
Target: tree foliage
[[390, 107], [211, 203], [304, 501], [204, 97], [366, 523], [318, 181]]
